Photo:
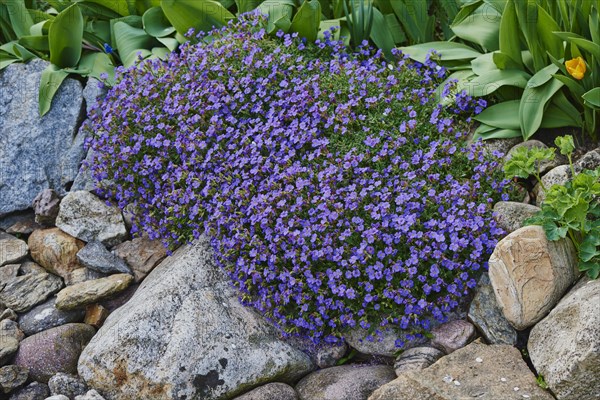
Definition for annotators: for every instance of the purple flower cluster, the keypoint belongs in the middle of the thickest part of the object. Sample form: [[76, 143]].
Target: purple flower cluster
[[336, 192]]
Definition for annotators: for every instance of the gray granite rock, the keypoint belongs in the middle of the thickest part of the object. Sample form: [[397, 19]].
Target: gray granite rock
[[11, 249], [270, 391], [54, 350], [416, 359], [46, 316], [556, 176], [565, 346], [84, 179], [26, 291], [11, 377], [510, 214], [58, 397], [8, 272], [30, 267], [328, 355], [88, 218], [487, 316], [8, 314], [67, 385], [93, 92], [348, 382], [10, 328], [36, 152], [90, 395], [8, 348], [187, 302], [383, 345], [96, 257], [590, 160], [33, 391], [46, 205]]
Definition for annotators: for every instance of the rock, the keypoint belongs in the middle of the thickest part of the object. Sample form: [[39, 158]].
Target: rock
[[142, 255], [29, 267], [187, 302], [270, 391], [565, 346], [17, 217], [83, 274], [557, 176], [529, 274], [416, 359], [11, 248], [46, 205], [8, 272], [95, 315], [453, 335], [90, 395], [58, 397], [501, 146], [487, 316], [9, 328], [11, 377], [54, 350], [328, 356], [96, 257], [384, 345], [510, 215], [8, 347], [46, 316], [67, 385], [33, 391], [348, 382], [55, 250], [24, 227], [545, 165], [591, 160], [476, 371], [8, 314], [88, 218], [81, 294], [25, 291], [118, 300], [93, 91], [36, 152], [84, 179]]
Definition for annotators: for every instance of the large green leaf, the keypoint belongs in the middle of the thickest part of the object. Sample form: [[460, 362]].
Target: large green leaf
[[395, 28], [592, 97], [20, 19], [587, 45], [65, 35], [483, 64], [555, 116], [244, 6], [446, 50], [414, 17], [52, 78], [576, 89], [542, 76], [546, 26], [37, 43], [307, 20], [156, 24], [131, 41], [479, 29], [380, 33], [533, 104], [509, 33], [95, 64], [490, 81], [498, 134], [121, 7], [504, 61], [279, 12], [201, 15], [502, 115]]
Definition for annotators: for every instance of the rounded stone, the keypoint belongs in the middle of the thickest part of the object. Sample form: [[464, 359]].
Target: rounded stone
[[55, 250], [46, 316], [67, 384], [33, 391], [270, 391]]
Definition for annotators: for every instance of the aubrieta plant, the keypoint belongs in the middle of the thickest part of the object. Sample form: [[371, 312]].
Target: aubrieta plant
[[572, 209], [335, 191]]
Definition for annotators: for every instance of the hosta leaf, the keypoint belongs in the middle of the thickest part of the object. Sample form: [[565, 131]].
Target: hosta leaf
[[156, 24]]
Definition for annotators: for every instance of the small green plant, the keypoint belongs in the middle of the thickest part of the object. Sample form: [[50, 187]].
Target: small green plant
[[541, 382], [571, 209]]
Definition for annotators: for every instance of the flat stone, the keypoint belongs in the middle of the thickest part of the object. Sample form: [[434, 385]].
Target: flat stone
[[58, 397], [33, 391], [16, 217], [55, 250], [30, 267], [8, 314], [348, 382], [416, 359], [8, 272], [142, 255], [82, 275], [90, 395], [270, 391], [36, 152], [46, 316], [486, 315], [495, 372], [10, 328], [383, 345], [88, 218], [556, 176], [84, 179], [453, 335], [8, 348], [328, 355], [590, 160], [67, 385], [26, 291], [52, 351], [510, 214], [187, 302], [530, 274], [565, 346], [45, 206], [24, 227], [96, 257], [81, 294], [11, 377], [11, 249], [545, 165]]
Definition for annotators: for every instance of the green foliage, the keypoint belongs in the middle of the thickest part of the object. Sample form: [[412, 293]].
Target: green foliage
[[570, 210], [541, 382], [523, 47]]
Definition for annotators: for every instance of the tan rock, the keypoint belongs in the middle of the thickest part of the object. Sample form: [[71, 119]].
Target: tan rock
[[89, 292], [55, 251], [12, 249], [142, 255], [529, 274], [477, 371], [95, 315]]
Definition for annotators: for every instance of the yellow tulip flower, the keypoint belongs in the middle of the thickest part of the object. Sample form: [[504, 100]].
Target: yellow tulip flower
[[576, 67]]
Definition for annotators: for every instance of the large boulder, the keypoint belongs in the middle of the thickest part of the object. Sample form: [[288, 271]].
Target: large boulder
[[184, 334], [565, 346], [36, 152], [476, 371], [530, 274]]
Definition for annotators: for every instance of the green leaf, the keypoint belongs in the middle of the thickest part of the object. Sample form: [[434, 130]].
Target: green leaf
[[120, 7], [591, 267], [554, 232], [447, 51], [546, 26], [169, 43], [156, 24], [395, 28], [95, 64], [498, 134], [532, 106], [484, 63], [587, 45], [20, 19], [244, 6], [592, 97], [307, 20], [589, 246], [415, 19], [502, 115], [131, 41], [490, 81], [37, 43], [380, 33], [504, 61], [510, 45], [201, 15], [52, 78], [574, 87], [478, 29], [542, 76], [556, 117], [65, 35]]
